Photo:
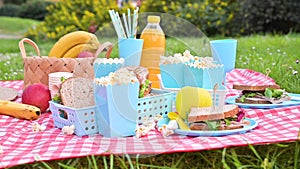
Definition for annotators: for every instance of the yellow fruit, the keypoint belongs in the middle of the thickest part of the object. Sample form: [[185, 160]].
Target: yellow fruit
[[189, 97], [70, 40], [76, 50], [19, 110]]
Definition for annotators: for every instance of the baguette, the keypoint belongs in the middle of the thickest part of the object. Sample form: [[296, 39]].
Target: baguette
[[77, 92]]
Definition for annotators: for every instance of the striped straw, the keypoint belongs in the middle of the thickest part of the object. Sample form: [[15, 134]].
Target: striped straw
[[120, 24], [114, 22], [126, 25], [129, 22], [135, 22]]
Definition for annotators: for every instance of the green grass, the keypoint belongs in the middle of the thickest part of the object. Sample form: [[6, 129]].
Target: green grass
[[15, 26], [260, 53]]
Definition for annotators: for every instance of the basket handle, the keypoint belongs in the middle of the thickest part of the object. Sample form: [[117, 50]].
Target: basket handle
[[105, 46], [30, 42]]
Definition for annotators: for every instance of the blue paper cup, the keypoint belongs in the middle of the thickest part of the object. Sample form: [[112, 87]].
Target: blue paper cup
[[172, 75], [224, 52], [103, 69], [131, 50], [116, 109], [204, 77]]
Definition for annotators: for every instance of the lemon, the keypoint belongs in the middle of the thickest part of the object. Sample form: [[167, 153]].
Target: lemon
[[189, 97]]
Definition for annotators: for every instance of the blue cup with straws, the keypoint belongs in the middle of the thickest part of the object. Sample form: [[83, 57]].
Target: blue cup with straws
[[131, 50]]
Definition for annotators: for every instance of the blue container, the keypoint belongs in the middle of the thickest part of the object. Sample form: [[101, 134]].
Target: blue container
[[84, 119], [204, 77], [172, 75], [103, 69], [116, 109]]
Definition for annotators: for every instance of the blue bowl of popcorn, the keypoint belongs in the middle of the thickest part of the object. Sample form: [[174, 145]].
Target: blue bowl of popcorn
[[204, 75]]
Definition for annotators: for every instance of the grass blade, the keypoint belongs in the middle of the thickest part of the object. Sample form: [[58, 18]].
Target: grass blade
[[225, 165], [255, 152], [66, 166], [94, 162], [104, 162], [111, 161], [179, 161], [296, 156], [129, 160]]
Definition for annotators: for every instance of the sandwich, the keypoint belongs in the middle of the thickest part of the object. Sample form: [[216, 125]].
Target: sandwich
[[206, 118], [142, 75], [263, 94]]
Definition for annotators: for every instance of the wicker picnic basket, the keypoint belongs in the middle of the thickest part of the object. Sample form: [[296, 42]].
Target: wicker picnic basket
[[37, 68]]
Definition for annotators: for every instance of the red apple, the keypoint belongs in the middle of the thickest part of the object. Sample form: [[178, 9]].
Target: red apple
[[37, 95]]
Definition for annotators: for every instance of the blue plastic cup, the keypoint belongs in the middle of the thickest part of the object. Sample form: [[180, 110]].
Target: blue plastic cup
[[224, 52], [131, 50]]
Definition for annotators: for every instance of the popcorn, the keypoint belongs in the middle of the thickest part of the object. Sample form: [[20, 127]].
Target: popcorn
[[167, 130], [36, 127], [146, 126], [68, 130], [109, 61], [178, 58], [123, 76], [205, 62]]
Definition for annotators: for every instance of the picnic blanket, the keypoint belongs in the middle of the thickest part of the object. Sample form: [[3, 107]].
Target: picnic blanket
[[21, 145]]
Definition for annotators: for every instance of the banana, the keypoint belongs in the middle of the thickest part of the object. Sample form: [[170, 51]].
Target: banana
[[19, 110], [70, 40], [76, 50]]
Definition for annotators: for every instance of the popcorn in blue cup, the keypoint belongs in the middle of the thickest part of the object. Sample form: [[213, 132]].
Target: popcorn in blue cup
[[116, 97], [172, 67], [204, 73]]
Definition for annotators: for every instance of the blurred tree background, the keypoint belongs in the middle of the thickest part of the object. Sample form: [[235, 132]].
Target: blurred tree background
[[213, 17]]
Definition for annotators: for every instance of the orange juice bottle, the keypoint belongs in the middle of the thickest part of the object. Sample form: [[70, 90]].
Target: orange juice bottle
[[153, 47]]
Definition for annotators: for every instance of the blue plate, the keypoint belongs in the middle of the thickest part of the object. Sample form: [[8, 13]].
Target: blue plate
[[216, 133], [231, 100]]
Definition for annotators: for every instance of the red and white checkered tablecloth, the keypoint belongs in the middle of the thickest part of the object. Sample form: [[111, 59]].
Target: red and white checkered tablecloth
[[21, 145]]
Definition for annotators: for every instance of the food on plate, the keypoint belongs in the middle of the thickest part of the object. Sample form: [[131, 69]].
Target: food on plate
[[206, 118], [263, 94], [72, 44], [8, 93], [142, 75], [77, 92], [19, 110], [37, 95], [189, 97]]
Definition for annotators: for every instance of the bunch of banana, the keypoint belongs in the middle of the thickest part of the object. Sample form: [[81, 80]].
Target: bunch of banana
[[19, 110], [72, 44]]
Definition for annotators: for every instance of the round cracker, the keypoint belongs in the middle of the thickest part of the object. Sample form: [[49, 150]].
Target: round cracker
[[8, 94]]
